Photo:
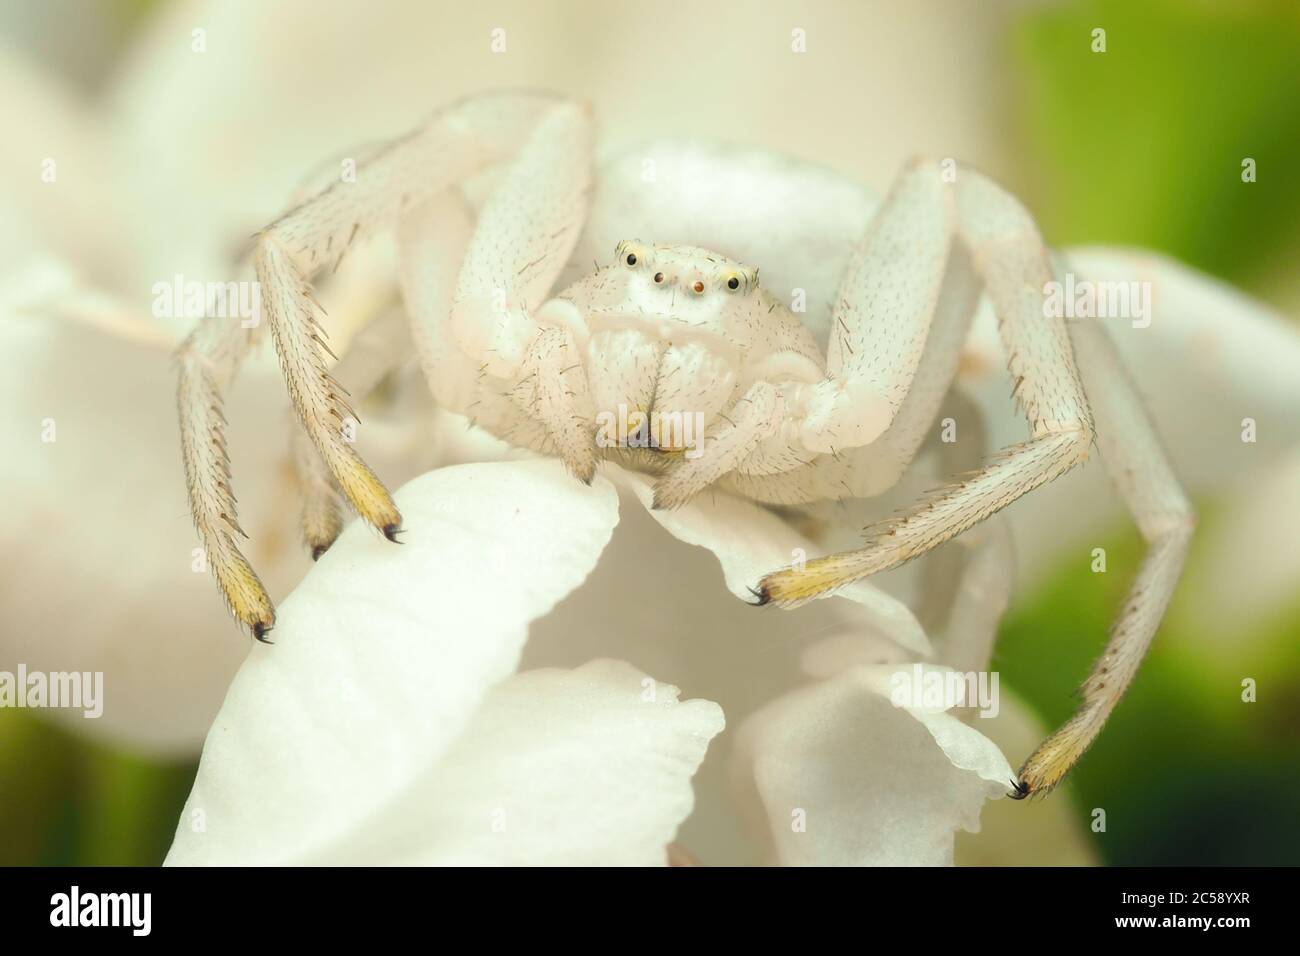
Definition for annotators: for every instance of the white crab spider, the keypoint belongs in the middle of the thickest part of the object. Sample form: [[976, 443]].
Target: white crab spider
[[675, 328]]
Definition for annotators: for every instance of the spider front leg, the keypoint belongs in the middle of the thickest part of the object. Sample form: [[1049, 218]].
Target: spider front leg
[[501, 318], [1015, 267], [452, 146], [889, 298], [554, 390], [755, 418]]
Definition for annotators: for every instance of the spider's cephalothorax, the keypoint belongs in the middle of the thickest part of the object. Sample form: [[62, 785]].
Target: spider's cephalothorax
[[672, 337], [683, 334]]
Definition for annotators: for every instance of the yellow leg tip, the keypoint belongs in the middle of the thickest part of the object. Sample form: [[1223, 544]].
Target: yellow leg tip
[[791, 587], [1048, 765], [369, 497], [248, 600]]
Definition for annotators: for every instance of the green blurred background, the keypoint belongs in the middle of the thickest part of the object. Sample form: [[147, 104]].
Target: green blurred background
[[1187, 773]]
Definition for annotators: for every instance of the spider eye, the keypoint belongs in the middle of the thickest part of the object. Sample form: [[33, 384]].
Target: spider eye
[[659, 277], [733, 283], [631, 259], [698, 287]]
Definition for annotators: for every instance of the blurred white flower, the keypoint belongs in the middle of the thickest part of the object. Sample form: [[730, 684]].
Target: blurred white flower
[[99, 563]]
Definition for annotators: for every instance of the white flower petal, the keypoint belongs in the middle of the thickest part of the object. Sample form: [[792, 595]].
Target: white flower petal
[[981, 598], [384, 653], [1250, 565], [841, 652], [837, 775], [661, 604], [749, 541], [574, 768]]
